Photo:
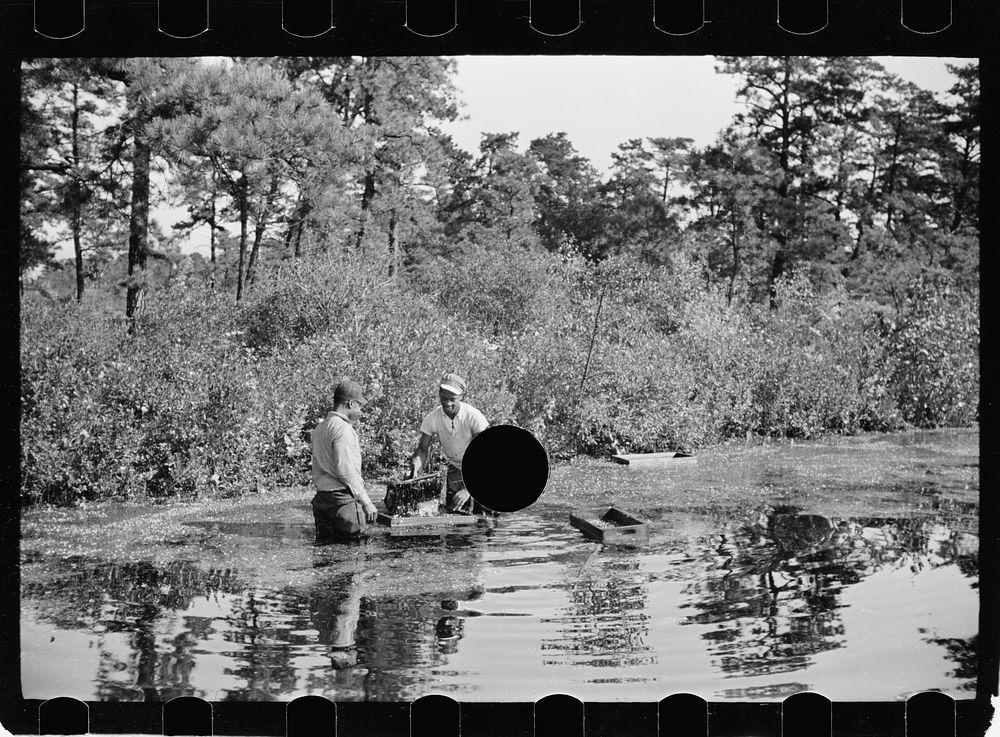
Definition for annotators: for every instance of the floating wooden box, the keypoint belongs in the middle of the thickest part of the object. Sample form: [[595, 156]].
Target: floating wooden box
[[441, 520], [611, 526], [657, 459]]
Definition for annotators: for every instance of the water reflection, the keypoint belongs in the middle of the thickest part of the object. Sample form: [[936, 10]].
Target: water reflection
[[964, 653], [774, 594], [156, 626], [131, 598], [605, 622], [767, 595], [748, 604]]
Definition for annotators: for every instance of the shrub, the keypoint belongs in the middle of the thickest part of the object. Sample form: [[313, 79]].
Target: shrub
[[813, 365], [75, 443], [378, 332], [935, 347], [208, 397], [498, 293]]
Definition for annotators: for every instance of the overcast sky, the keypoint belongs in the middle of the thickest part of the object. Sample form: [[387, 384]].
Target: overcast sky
[[602, 101]]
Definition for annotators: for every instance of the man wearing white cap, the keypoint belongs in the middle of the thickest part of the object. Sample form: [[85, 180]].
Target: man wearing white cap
[[455, 423]]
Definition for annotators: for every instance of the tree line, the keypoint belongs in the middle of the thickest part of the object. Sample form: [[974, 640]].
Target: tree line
[[813, 270], [833, 166]]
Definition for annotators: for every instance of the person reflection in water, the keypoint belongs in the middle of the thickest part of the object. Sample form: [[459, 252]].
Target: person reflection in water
[[448, 629], [336, 613]]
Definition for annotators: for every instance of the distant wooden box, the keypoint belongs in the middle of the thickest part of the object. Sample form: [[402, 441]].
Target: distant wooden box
[[611, 526], [655, 459]]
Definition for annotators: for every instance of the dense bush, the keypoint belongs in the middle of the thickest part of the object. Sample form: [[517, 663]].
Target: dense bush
[[105, 413], [208, 397], [934, 343], [78, 440], [395, 343]]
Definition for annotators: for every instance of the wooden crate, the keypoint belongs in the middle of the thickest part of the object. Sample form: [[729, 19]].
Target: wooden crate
[[413, 497], [611, 526], [655, 459]]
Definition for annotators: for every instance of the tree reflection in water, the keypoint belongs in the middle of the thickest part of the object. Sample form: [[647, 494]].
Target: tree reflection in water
[[965, 653], [177, 615], [605, 622], [775, 594], [132, 598], [768, 593], [406, 638]]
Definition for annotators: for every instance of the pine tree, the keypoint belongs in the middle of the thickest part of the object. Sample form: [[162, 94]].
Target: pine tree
[[69, 146], [567, 195], [264, 144]]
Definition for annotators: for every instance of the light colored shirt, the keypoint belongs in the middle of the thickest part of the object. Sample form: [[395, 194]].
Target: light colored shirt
[[454, 434], [336, 457]]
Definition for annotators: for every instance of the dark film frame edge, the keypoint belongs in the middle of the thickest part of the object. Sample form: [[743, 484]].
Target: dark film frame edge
[[244, 28]]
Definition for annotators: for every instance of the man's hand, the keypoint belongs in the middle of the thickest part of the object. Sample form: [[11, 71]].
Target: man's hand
[[415, 465], [461, 502], [371, 513]]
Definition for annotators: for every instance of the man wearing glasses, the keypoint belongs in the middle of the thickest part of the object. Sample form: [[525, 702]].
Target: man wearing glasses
[[455, 423], [341, 506]]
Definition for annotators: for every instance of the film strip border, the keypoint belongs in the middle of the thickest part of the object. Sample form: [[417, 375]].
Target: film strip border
[[58, 19], [192, 27], [69, 27], [806, 714]]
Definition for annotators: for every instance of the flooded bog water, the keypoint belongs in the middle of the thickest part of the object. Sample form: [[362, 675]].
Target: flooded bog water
[[847, 567]]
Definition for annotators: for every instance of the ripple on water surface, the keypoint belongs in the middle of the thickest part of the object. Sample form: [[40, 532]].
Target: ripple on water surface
[[769, 570]]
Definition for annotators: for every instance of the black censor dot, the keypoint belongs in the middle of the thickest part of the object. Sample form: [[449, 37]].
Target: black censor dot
[[505, 468]]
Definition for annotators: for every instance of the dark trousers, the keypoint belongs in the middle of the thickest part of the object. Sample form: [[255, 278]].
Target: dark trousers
[[338, 514]]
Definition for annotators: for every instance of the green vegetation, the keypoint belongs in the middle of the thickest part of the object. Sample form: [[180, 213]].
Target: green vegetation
[[201, 398], [814, 270]]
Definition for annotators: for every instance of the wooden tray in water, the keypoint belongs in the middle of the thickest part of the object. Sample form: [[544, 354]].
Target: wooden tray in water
[[611, 526], [441, 520], [657, 459]]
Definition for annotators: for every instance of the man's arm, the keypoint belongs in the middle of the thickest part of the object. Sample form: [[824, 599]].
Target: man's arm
[[419, 457]]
